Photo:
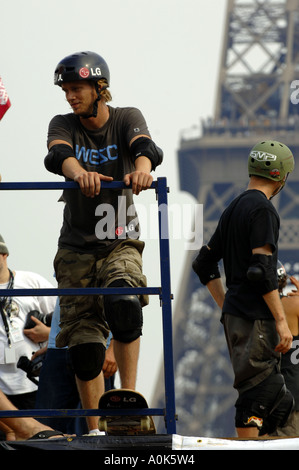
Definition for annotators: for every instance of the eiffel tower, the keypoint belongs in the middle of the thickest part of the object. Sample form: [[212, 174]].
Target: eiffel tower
[[257, 98]]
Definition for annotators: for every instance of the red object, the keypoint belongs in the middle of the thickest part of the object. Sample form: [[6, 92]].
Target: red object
[[4, 100]]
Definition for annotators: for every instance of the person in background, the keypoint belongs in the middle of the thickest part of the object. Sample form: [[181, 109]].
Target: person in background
[[19, 428], [255, 325], [290, 360], [57, 387], [24, 329]]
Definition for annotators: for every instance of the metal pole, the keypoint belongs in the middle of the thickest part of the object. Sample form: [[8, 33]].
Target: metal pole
[[166, 298]]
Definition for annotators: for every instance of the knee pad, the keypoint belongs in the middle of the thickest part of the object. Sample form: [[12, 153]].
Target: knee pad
[[278, 416], [123, 314], [87, 360], [266, 406]]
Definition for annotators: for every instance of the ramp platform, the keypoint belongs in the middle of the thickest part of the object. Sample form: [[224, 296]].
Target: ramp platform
[[163, 444]]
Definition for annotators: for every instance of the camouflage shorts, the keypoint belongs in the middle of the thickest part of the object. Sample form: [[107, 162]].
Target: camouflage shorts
[[82, 318]]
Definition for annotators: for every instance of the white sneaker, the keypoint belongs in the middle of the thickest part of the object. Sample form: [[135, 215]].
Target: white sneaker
[[95, 432]]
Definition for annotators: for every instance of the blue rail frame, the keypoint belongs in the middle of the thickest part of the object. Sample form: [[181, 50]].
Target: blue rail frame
[[164, 292]]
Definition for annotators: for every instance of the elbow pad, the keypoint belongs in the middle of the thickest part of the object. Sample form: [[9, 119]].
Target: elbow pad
[[144, 146], [262, 273], [56, 156], [206, 266]]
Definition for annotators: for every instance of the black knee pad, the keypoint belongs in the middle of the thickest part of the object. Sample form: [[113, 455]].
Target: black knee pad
[[123, 314], [280, 412], [87, 360], [266, 406]]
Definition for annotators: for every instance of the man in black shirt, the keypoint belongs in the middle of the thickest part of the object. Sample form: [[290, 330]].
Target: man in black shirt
[[252, 314]]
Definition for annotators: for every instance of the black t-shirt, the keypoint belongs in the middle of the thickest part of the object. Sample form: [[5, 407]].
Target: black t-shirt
[[99, 223], [250, 221]]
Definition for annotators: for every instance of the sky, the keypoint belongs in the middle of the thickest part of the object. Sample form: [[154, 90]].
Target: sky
[[164, 58]]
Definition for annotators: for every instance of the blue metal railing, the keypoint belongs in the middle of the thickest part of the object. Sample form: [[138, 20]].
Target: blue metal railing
[[164, 292]]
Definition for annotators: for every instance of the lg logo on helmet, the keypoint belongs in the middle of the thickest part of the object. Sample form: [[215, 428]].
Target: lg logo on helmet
[[85, 72], [262, 156]]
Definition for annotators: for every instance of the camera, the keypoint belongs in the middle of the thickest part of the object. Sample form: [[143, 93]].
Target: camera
[[32, 368], [44, 318]]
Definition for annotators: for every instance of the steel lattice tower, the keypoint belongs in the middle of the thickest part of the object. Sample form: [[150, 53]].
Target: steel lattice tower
[[256, 99]]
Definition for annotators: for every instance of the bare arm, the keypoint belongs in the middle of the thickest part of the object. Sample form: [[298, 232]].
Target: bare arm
[[141, 178], [89, 181], [274, 303], [291, 307], [216, 290], [295, 282], [110, 365], [39, 333]]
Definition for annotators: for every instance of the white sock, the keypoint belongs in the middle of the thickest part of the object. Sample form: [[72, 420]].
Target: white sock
[[96, 432]]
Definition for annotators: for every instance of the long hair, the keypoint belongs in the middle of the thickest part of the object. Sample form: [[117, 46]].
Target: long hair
[[105, 94]]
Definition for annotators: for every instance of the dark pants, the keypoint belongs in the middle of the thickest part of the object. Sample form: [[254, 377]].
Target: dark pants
[[24, 401], [57, 389]]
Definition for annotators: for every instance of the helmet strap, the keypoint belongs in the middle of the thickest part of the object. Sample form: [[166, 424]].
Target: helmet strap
[[95, 104], [282, 183]]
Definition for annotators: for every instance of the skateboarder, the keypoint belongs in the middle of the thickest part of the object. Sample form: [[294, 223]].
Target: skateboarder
[[99, 242], [252, 314]]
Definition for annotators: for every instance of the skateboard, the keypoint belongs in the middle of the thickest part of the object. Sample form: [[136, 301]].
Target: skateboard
[[129, 425]]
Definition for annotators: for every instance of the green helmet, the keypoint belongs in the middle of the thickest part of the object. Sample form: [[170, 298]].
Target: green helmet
[[270, 159]]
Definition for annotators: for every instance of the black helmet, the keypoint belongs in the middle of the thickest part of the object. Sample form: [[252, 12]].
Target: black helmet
[[84, 65]]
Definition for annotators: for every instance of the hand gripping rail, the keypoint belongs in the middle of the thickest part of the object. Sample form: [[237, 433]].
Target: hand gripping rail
[[164, 292]]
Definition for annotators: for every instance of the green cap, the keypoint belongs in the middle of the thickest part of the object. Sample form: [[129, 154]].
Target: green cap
[[270, 159]]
